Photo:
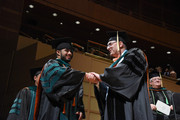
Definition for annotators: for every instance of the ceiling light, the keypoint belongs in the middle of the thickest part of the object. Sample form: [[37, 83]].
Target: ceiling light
[[152, 47], [168, 52], [31, 6], [97, 29], [77, 22], [61, 23], [55, 14], [134, 41]]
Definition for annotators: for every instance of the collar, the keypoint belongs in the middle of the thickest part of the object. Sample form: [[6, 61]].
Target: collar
[[157, 89], [63, 62], [120, 56]]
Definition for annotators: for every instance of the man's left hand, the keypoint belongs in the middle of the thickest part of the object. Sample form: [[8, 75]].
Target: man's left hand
[[80, 114]]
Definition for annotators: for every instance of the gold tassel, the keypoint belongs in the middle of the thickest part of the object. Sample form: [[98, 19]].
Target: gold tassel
[[161, 79], [118, 49]]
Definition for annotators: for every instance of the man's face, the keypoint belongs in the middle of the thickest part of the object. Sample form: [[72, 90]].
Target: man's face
[[66, 54], [112, 48], [156, 82], [36, 78]]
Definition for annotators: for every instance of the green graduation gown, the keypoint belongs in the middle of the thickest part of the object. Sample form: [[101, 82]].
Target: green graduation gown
[[23, 106], [61, 88]]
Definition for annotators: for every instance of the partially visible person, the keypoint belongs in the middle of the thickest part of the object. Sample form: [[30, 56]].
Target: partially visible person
[[166, 72], [178, 82], [159, 69], [151, 69], [173, 74], [157, 92], [60, 93], [169, 71], [23, 106], [121, 91]]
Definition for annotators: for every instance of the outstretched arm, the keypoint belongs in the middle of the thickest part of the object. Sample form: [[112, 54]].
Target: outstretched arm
[[93, 77]]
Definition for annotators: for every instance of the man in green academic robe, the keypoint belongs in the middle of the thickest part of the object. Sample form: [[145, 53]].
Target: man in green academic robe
[[23, 106], [60, 97]]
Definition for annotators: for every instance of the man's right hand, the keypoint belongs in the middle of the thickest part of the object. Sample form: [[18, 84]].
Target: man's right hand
[[91, 78], [153, 107]]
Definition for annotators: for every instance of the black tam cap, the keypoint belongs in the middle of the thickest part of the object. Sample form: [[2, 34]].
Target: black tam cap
[[35, 72], [154, 74], [122, 36], [61, 43]]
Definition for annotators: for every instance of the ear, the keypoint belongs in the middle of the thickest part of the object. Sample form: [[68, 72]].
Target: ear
[[58, 52], [121, 44], [35, 78], [150, 83]]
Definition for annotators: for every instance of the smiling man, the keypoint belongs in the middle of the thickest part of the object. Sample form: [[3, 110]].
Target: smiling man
[[60, 87], [157, 92], [121, 91]]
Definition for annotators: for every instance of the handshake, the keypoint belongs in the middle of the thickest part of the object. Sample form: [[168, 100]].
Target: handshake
[[93, 77]]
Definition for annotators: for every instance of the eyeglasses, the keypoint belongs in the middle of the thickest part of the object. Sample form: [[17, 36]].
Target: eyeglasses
[[154, 79], [111, 43]]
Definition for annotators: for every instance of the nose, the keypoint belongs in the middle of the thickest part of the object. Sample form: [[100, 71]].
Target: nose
[[69, 52], [108, 47]]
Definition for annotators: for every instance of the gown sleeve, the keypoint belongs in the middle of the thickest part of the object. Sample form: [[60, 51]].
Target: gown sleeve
[[100, 95], [80, 104], [60, 83], [21, 105], [126, 77]]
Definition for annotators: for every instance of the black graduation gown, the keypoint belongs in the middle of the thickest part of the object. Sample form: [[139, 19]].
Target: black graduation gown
[[126, 97], [23, 106], [61, 85], [158, 94]]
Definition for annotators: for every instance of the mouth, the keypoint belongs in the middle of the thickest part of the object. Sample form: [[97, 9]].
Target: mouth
[[68, 57], [110, 51], [158, 82]]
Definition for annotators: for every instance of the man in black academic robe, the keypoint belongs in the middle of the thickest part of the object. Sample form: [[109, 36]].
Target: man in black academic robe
[[60, 97], [121, 91], [157, 92], [23, 106]]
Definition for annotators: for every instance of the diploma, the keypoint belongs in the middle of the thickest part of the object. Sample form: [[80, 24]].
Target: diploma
[[162, 107]]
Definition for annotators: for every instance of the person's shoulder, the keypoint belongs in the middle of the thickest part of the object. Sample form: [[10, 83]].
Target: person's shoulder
[[169, 91], [135, 51], [51, 62], [33, 88], [24, 90], [135, 56]]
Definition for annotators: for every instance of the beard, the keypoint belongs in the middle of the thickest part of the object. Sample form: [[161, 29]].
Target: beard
[[66, 60]]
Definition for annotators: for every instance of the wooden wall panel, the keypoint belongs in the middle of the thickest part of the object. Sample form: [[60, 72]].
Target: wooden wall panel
[[170, 84]]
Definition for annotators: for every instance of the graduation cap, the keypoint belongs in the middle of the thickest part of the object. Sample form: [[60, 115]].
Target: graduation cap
[[35, 72], [61, 43], [118, 36], [154, 74]]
